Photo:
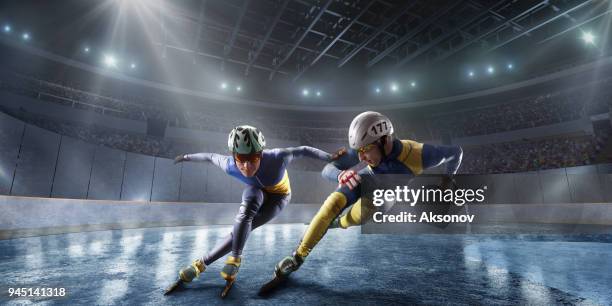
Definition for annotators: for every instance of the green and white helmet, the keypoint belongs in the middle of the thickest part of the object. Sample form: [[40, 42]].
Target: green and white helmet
[[245, 139]]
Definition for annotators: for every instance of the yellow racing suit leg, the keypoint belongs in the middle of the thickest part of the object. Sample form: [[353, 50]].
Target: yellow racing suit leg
[[331, 208], [357, 214]]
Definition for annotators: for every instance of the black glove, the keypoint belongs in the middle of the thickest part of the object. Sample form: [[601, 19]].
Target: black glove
[[338, 153], [180, 158]]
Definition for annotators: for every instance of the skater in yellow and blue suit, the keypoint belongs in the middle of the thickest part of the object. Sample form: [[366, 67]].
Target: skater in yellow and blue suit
[[372, 142]]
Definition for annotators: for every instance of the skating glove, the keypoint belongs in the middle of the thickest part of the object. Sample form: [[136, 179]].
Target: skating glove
[[180, 158], [338, 153]]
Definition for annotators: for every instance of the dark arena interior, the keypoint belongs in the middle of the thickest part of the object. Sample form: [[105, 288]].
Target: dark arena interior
[[157, 152]]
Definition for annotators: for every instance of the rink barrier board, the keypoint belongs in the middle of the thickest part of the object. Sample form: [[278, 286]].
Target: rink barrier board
[[32, 216]]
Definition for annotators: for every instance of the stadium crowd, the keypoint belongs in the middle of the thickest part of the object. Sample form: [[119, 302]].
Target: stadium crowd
[[551, 108], [516, 156], [543, 109], [136, 108], [528, 155]]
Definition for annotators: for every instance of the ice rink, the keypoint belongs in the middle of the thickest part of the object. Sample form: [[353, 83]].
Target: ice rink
[[133, 266]]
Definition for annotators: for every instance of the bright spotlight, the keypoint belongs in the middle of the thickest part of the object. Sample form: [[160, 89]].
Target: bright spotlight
[[223, 85], [238, 88], [394, 87], [7, 28], [25, 36], [413, 84], [110, 61], [510, 66], [490, 69], [86, 49], [588, 38], [471, 74], [132, 66], [305, 92], [377, 90], [318, 93]]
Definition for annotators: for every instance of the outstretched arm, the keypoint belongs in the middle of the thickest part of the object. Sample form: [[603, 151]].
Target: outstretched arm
[[304, 151], [434, 155], [221, 161]]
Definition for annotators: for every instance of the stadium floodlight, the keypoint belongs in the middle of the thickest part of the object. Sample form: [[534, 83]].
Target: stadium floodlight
[[377, 90], [490, 69], [238, 88], [413, 84], [305, 92], [110, 61], [26, 36], [86, 49], [510, 66], [394, 87], [318, 93], [471, 74], [223, 85], [132, 66], [588, 38], [7, 29]]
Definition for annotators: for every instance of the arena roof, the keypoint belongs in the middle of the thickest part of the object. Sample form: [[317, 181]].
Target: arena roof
[[276, 49]]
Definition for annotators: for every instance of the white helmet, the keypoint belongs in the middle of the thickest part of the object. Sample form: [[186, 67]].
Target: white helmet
[[367, 128], [246, 139]]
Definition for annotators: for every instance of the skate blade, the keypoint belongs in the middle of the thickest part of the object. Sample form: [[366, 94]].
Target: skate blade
[[173, 287], [228, 286], [271, 285]]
